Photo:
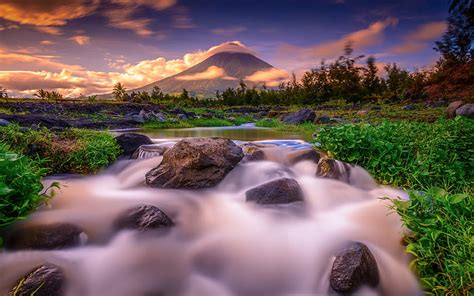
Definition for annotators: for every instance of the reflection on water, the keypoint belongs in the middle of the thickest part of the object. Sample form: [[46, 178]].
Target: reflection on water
[[246, 132]]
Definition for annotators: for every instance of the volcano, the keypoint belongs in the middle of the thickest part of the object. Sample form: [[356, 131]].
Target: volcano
[[217, 73]]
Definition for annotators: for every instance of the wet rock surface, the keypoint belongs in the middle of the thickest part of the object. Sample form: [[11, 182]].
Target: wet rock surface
[[280, 191], [304, 154], [143, 217], [252, 152], [354, 267], [195, 163], [44, 237], [129, 142], [45, 280], [334, 169]]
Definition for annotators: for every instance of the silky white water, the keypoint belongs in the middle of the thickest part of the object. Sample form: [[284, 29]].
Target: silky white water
[[220, 244]]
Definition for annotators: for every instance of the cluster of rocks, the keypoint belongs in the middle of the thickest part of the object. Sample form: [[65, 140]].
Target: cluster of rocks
[[460, 108]]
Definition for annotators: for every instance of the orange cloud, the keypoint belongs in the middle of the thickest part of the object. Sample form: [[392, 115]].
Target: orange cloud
[[212, 72], [46, 42], [81, 39], [25, 73], [271, 77], [359, 39], [45, 13], [416, 41], [122, 18]]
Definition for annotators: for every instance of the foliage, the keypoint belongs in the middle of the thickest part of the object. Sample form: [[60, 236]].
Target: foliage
[[51, 95], [306, 128], [71, 151], [442, 239], [196, 122], [408, 154], [119, 92], [3, 93], [20, 186]]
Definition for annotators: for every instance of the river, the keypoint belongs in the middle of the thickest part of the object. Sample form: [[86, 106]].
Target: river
[[220, 245]]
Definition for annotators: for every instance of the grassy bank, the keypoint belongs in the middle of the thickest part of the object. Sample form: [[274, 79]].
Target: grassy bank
[[196, 122], [307, 128], [70, 151], [437, 160]]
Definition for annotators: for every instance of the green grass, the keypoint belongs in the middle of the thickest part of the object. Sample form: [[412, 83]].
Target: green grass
[[408, 154], [71, 151], [442, 240], [20, 186], [306, 128], [197, 122]]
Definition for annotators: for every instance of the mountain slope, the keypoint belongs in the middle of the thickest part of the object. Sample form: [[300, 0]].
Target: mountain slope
[[218, 72]]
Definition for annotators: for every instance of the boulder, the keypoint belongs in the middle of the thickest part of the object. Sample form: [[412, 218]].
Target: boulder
[[303, 154], [323, 119], [354, 267], [181, 116], [138, 118], [45, 280], [279, 191], [143, 217], [149, 151], [304, 115], [129, 142], [44, 237], [466, 111], [195, 163], [334, 169], [4, 122], [41, 120], [336, 120], [453, 106]]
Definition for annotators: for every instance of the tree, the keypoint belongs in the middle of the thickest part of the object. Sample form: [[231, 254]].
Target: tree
[[184, 95], [3, 93], [397, 81], [119, 91], [371, 81], [41, 93], [156, 94]]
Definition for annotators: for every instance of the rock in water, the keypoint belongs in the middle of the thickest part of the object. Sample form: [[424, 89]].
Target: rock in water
[[129, 142], [334, 169], [280, 191], [466, 111], [45, 280], [354, 267], [143, 217], [304, 115], [44, 237], [252, 152], [195, 163]]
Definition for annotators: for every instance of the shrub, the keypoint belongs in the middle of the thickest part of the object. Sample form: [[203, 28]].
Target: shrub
[[408, 154], [20, 186], [442, 239]]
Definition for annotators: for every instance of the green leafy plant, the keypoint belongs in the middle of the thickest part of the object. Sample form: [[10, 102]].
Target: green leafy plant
[[441, 240], [407, 154], [20, 186]]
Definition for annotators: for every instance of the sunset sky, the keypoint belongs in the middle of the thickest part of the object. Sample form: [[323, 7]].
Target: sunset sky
[[84, 46]]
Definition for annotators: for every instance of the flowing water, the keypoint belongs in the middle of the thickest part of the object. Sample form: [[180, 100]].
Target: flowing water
[[220, 245]]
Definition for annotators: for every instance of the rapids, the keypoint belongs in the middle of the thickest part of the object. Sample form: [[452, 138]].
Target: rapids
[[220, 245]]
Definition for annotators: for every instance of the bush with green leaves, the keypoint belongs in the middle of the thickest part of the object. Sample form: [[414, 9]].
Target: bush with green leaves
[[407, 154], [20, 186], [70, 151], [442, 239]]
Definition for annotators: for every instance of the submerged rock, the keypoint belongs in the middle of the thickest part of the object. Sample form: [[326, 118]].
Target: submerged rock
[[280, 191], [44, 237], [45, 280], [334, 169], [195, 163], [143, 217], [304, 115], [354, 267], [303, 154], [466, 111], [252, 152], [129, 142]]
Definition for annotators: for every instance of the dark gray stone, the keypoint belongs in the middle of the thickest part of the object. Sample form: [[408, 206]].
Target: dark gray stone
[[334, 169], [129, 142], [466, 111], [304, 115], [143, 217], [280, 191], [354, 267], [45, 280]]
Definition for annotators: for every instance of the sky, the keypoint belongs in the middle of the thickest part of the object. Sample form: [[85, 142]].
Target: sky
[[85, 46]]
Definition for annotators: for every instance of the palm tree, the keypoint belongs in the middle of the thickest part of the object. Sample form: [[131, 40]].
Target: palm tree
[[119, 91], [3, 93], [41, 93]]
